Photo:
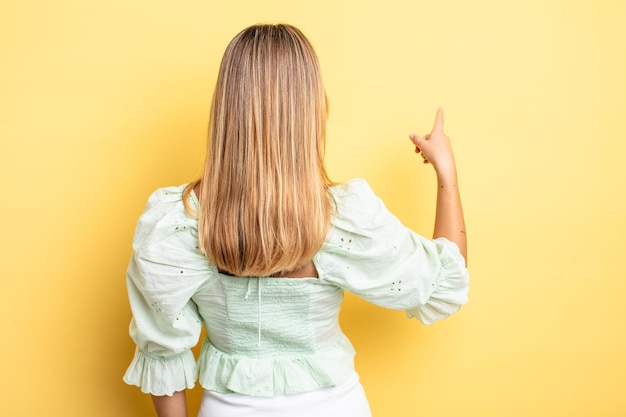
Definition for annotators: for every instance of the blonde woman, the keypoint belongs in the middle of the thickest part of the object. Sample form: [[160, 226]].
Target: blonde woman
[[260, 249]]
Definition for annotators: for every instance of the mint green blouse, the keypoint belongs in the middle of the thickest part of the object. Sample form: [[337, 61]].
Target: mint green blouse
[[271, 336]]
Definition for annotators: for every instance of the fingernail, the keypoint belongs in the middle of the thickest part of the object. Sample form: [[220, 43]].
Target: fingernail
[[412, 136]]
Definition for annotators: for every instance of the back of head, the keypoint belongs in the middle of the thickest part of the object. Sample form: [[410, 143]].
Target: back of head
[[265, 207]]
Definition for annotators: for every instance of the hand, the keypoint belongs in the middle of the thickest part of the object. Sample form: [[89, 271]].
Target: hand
[[435, 146]]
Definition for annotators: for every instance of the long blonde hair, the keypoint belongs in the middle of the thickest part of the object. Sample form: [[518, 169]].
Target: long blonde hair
[[265, 206]]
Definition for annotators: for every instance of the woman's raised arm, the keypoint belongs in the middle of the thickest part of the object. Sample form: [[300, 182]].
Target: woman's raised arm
[[436, 149]]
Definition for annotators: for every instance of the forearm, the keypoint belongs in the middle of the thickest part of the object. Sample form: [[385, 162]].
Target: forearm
[[449, 219], [171, 406], [436, 149]]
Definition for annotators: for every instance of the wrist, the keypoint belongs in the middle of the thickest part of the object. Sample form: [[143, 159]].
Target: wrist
[[446, 173]]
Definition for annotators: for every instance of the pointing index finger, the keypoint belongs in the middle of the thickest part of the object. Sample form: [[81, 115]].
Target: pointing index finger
[[439, 120]]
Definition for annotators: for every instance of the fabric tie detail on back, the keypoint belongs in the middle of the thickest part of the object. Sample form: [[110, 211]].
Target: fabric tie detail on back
[[259, 300]]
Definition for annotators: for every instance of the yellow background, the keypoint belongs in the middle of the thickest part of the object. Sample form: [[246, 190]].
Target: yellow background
[[101, 102]]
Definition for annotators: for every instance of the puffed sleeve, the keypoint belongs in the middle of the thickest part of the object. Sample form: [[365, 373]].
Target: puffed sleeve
[[370, 253], [165, 271]]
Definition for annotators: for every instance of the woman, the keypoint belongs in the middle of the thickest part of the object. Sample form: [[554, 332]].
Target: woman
[[260, 249]]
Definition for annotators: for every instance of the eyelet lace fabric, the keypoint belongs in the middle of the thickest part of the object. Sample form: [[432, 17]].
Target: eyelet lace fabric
[[274, 336]]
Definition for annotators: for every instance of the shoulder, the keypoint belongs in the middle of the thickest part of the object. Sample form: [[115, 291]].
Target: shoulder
[[355, 199], [162, 221], [353, 187], [355, 191], [167, 265], [166, 198]]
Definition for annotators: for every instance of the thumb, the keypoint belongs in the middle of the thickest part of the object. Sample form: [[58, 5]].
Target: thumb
[[417, 140], [438, 121]]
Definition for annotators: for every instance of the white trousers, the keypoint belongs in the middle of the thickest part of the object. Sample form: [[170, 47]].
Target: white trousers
[[341, 401]]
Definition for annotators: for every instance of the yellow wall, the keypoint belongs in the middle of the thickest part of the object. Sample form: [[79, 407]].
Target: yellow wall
[[103, 101]]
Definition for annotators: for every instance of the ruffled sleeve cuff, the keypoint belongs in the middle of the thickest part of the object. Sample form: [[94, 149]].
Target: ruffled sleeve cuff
[[162, 376], [451, 286]]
